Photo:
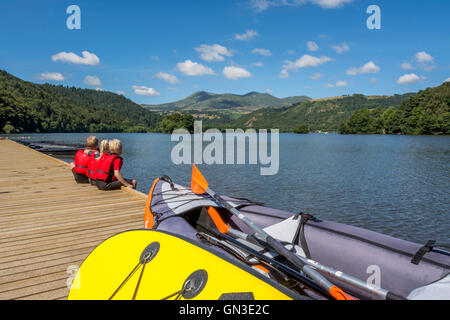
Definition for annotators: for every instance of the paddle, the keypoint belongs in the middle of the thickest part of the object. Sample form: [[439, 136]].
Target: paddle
[[199, 185], [261, 257], [355, 282]]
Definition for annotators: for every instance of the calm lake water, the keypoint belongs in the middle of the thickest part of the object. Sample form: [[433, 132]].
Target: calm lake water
[[397, 185]]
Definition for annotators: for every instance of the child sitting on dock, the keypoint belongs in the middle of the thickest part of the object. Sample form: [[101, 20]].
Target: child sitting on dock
[[104, 149], [82, 159], [107, 173]]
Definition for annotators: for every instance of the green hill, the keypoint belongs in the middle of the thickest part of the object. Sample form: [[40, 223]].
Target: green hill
[[321, 114], [427, 112], [30, 107], [204, 102]]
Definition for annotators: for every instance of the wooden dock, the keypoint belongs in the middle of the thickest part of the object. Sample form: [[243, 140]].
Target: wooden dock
[[49, 224]]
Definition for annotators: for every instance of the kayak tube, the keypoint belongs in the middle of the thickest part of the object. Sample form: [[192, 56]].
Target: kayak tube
[[416, 271]]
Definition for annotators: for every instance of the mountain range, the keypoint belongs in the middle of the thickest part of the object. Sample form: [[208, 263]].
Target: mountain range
[[206, 102], [319, 114], [31, 107]]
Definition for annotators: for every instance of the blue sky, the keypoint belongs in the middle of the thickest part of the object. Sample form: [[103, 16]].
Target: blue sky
[[161, 51]]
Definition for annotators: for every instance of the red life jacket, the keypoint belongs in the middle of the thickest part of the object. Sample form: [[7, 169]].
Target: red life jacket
[[92, 166], [81, 161], [104, 170]]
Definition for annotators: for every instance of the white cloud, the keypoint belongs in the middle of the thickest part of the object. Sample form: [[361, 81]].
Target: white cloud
[[263, 52], [290, 52], [312, 46], [92, 81], [341, 48], [337, 84], [369, 67], [406, 66], [306, 61], [156, 58], [410, 78], [167, 77], [422, 57], [213, 52], [329, 4], [145, 91], [246, 36], [191, 68], [269, 91], [70, 57], [258, 64], [51, 76], [122, 93], [234, 73], [262, 5], [171, 88], [284, 74], [316, 76], [425, 60], [447, 80], [259, 5]]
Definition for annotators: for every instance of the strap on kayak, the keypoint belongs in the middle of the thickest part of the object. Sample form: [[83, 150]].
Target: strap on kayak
[[422, 251], [301, 233], [428, 247]]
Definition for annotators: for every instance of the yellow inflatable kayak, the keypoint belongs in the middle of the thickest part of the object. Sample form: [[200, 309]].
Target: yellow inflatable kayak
[[154, 265]]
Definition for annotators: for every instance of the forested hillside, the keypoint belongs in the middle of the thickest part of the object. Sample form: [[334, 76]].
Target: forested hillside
[[29, 107], [427, 112], [321, 114], [203, 101]]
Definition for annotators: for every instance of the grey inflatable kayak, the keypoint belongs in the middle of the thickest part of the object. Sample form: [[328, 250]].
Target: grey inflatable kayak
[[415, 271]]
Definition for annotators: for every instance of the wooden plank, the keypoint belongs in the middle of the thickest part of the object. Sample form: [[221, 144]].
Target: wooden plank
[[60, 246], [62, 267], [47, 295], [45, 227], [31, 199], [21, 261], [69, 222], [50, 209], [30, 238], [33, 281]]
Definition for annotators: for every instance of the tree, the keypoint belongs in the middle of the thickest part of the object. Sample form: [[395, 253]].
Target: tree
[[177, 120], [302, 129], [424, 113], [8, 128]]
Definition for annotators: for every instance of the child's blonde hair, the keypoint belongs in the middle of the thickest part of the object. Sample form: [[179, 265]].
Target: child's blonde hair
[[104, 146], [92, 142], [115, 146]]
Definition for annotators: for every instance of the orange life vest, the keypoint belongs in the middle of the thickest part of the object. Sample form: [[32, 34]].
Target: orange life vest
[[104, 170], [82, 160]]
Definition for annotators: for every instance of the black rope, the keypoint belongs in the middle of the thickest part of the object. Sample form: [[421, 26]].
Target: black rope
[[138, 283], [170, 296], [126, 279]]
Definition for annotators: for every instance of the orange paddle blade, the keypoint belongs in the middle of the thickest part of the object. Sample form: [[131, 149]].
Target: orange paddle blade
[[339, 294], [217, 219], [198, 182]]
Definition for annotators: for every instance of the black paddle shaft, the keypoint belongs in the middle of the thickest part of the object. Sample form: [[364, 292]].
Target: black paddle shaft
[[275, 244], [310, 284]]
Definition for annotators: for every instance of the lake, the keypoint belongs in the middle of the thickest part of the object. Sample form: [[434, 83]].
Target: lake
[[397, 185]]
